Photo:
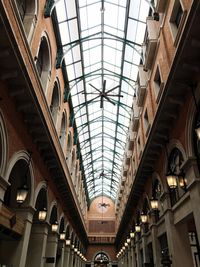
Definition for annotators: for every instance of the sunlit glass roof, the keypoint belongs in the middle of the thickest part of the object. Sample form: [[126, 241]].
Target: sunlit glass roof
[[101, 43]]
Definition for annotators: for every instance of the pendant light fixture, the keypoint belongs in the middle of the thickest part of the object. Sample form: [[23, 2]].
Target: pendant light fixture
[[22, 191], [42, 214]]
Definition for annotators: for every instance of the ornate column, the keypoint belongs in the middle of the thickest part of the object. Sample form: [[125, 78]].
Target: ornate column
[[133, 261], [193, 186], [67, 255], [51, 249], [129, 255], [144, 244], [61, 245], [75, 257], [138, 257], [37, 245], [71, 258], [155, 242], [178, 241], [126, 258], [20, 256]]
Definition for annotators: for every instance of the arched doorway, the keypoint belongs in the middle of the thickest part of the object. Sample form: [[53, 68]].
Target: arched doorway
[[101, 260]]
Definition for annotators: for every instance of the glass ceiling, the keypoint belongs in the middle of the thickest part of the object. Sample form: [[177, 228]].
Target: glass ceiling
[[101, 42]]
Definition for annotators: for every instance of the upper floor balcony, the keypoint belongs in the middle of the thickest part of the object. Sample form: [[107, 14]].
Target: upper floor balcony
[[134, 119], [140, 89], [150, 42]]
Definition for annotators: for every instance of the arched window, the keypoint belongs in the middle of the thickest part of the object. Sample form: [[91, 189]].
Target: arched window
[[21, 4], [27, 12], [62, 129], [175, 176], [43, 61], [69, 146], [73, 157], [145, 215], [101, 258], [53, 217], [41, 206], [54, 107], [19, 176], [155, 200]]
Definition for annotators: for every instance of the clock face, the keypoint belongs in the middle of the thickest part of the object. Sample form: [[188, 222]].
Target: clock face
[[102, 207]]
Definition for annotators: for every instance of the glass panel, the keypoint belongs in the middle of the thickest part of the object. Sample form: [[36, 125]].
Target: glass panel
[[104, 41]]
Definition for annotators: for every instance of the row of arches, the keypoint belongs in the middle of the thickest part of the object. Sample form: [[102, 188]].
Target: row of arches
[[166, 214], [53, 92], [39, 206]]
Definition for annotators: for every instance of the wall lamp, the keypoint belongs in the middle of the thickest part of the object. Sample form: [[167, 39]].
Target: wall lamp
[[132, 235], [144, 217], [54, 227], [171, 180], [22, 191], [182, 181], [68, 242], [42, 214], [128, 240], [137, 228], [62, 236], [154, 203]]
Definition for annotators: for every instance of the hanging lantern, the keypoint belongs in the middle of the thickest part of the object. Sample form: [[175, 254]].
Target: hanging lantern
[[182, 181], [62, 235], [68, 242], [154, 203], [42, 215], [172, 180], [143, 217], [197, 130], [22, 193], [54, 227], [137, 228], [132, 234]]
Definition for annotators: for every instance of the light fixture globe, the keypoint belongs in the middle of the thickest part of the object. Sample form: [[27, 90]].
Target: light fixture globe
[[137, 228], [22, 193], [62, 236], [143, 217], [54, 227], [171, 180], [42, 215], [68, 242], [132, 235], [128, 240], [182, 180], [154, 203], [197, 130]]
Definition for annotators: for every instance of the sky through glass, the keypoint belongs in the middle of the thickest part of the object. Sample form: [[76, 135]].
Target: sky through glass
[[101, 42]]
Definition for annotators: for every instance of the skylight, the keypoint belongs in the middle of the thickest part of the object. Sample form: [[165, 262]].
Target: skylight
[[101, 42]]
